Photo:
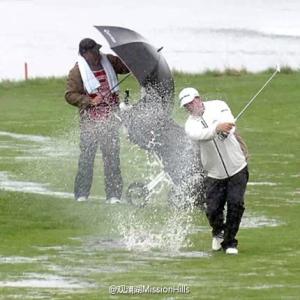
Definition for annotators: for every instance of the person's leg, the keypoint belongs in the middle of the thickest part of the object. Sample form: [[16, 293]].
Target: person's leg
[[215, 200], [88, 148], [110, 147], [196, 191], [235, 207]]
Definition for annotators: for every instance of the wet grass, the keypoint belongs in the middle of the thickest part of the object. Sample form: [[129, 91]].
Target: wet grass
[[80, 242]]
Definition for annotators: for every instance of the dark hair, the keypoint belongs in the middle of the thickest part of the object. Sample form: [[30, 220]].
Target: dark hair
[[87, 44]]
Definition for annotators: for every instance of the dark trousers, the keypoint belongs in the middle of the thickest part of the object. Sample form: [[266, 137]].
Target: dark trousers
[[106, 136], [219, 192]]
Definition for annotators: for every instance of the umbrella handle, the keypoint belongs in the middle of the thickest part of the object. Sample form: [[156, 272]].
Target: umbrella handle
[[118, 83]]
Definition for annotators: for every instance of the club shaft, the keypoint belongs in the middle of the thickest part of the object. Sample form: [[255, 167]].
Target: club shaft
[[253, 98]]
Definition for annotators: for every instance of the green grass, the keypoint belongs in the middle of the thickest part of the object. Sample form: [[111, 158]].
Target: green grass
[[54, 236]]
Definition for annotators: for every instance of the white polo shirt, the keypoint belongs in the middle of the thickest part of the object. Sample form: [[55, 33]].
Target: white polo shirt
[[216, 112]]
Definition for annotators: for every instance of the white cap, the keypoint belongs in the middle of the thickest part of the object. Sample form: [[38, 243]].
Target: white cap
[[187, 95]]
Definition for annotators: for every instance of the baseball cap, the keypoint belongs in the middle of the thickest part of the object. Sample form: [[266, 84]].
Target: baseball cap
[[87, 44], [187, 95]]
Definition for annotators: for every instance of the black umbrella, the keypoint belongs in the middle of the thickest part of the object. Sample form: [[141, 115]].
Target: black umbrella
[[144, 61]]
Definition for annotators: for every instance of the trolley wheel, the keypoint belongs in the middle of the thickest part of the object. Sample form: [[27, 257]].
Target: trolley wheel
[[137, 193]]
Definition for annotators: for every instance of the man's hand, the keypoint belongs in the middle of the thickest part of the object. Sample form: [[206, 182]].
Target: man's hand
[[97, 100], [225, 127]]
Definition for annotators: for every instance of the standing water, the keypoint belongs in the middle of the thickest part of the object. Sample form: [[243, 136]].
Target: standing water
[[196, 35]]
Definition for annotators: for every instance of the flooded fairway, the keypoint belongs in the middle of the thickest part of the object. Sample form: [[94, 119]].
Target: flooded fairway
[[52, 247]]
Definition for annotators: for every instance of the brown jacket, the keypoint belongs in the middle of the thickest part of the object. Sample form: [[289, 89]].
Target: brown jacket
[[75, 93]]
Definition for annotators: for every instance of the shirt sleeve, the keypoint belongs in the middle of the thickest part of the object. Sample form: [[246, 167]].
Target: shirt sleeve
[[75, 94], [225, 115], [196, 130]]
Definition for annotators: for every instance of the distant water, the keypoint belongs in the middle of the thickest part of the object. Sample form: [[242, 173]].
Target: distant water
[[196, 34]]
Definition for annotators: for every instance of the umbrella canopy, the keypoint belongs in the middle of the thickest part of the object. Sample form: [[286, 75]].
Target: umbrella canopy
[[144, 61]]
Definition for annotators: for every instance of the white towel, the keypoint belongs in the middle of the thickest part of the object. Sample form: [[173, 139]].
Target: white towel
[[110, 73], [90, 82]]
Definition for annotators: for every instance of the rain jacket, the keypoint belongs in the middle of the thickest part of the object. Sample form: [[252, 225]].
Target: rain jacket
[[202, 130]]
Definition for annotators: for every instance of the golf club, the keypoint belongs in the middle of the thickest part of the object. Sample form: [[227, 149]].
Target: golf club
[[253, 98]]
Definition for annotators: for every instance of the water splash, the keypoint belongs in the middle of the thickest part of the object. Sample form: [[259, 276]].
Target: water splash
[[158, 230]]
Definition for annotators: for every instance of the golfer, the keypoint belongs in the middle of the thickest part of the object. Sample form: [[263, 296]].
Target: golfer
[[211, 126]]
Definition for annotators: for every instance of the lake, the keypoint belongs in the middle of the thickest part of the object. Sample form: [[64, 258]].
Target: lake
[[196, 35]]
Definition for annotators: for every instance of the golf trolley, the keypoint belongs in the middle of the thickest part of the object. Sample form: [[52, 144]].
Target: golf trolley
[[180, 170], [191, 193], [139, 193]]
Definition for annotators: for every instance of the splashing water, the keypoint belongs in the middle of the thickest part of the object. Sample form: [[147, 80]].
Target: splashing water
[[155, 230]]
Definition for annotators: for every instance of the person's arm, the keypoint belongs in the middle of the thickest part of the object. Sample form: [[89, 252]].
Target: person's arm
[[196, 131], [75, 94], [226, 116], [118, 65], [199, 130]]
